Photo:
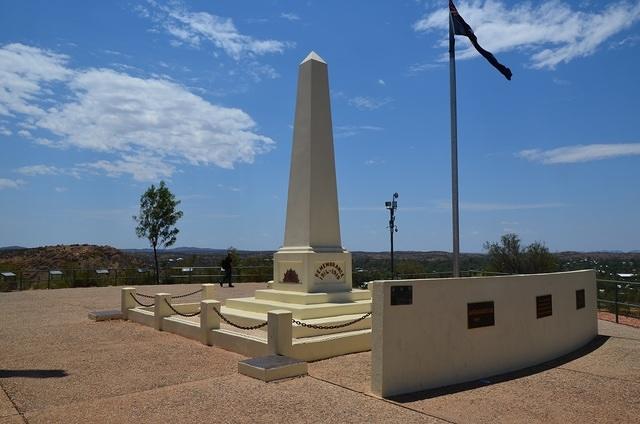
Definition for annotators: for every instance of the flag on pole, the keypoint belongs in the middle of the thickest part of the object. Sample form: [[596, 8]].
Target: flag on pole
[[460, 27]]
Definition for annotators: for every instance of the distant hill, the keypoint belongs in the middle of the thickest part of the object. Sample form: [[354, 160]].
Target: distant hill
[[68, 256], [11, 248]]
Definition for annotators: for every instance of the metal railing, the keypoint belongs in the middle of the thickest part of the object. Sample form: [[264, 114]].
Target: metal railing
[[621, 298], [29, 279]]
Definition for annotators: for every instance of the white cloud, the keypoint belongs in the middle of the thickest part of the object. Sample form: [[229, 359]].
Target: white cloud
[[342, 131], [61, 189], [194, 28], [7, 183], [5, 131], [34, 170], [381, 82], [24, 74], [141, 168], [368, 103], [418, 68], [290, 16], [152, 124], [375, 162], [552, 32], [580, 153]]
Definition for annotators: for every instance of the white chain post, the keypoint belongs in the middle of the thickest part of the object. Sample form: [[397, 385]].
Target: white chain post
[[161, 309], [208, 291], [126, 301], [279, 332], [209, 320]]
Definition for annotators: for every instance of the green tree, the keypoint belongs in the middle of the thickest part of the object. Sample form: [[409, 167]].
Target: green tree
[[508, 256], [538, 259], [157, 219]]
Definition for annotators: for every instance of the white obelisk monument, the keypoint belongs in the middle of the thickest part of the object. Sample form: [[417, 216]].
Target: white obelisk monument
[[312, 258]]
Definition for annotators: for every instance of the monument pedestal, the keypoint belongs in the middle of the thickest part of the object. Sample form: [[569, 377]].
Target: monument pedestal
[[304, 269]]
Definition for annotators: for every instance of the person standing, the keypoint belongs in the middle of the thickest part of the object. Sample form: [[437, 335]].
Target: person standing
[[227, 266]]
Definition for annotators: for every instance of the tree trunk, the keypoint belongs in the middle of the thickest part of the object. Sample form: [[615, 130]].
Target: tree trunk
[[155, 258]]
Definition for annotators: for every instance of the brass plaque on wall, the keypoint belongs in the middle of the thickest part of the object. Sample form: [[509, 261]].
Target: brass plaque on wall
[[401, 295], [480, 314], [544, 306], [580, 299]]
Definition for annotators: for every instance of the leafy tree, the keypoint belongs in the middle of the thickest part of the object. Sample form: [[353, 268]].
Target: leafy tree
[[157, 219], [509, 257], [538, 259]]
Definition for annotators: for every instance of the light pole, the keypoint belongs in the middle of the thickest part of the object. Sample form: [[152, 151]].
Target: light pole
[[392, 206]]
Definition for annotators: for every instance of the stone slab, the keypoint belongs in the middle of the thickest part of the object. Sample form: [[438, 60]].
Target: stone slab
[[272, 367], [105, 315]]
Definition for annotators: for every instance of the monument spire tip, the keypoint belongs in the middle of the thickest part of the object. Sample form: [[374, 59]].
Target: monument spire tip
[[313, 56]]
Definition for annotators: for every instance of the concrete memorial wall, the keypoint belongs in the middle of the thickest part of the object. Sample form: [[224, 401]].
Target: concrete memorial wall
[[439, 332]]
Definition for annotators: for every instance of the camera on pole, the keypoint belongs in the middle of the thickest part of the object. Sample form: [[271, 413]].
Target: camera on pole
[[392, 206]]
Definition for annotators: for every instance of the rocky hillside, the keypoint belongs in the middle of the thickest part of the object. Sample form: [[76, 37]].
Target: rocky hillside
[[84, 256]]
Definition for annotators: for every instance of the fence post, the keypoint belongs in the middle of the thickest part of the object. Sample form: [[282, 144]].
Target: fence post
[[279, 332], [126, 301], [617, 287], [208, 291], [209, 320], [161, 309]]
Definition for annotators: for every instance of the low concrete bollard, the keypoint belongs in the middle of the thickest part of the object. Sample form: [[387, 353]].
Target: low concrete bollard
[[126, 301], [161, 309], [279, 332], [209, 320], [208, 291]]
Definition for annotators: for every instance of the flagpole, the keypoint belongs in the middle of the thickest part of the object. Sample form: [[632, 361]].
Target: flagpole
[[454, 151]]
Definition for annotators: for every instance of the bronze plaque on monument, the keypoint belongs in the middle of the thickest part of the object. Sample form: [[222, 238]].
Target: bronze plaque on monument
[[544, 306], [401, 295], [480, 314]]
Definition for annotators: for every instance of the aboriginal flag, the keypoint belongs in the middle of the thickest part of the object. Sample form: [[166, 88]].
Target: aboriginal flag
[[460, 27]]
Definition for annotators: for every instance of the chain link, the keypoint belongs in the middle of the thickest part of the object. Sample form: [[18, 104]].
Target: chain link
[[254, 327], [140, 303], [185, 295], [180, 313], [145, 295], [173, 297], [330, 327]]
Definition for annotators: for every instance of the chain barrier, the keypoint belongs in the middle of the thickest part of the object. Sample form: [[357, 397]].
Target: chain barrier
[[185, 295], [331, 327], [140, 303], [173, 297], [180, 313], [254, 327]]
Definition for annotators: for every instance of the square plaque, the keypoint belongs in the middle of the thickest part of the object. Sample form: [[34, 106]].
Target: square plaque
[[544, 306], [401, 295], [480, 314]]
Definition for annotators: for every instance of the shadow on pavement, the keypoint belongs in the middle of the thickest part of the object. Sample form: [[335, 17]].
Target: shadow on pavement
[[33, 373], [500, 378]]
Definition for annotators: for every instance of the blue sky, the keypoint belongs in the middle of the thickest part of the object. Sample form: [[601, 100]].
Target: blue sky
[[100, 99]]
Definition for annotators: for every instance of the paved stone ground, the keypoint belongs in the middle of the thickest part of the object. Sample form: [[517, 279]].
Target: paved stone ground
[[56, 366]]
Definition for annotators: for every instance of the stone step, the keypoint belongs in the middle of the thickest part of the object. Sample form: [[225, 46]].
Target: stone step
[[327, 337], [304, 298], [300, 311], [300, 331]]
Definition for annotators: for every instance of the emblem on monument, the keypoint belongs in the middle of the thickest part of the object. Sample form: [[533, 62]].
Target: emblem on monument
[[327, 269], [290, 276]]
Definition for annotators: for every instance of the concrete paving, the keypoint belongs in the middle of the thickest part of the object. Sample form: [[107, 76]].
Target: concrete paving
[[57, 366]]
